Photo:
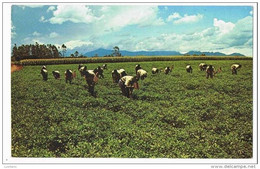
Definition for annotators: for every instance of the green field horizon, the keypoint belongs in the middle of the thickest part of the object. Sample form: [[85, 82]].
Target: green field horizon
[[75, 60]]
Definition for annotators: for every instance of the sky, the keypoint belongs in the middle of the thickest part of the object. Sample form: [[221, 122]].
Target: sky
[[151, 27]]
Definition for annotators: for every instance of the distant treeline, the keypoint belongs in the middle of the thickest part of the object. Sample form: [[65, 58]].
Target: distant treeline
[[49, 51], [35, 51], [124, 59]]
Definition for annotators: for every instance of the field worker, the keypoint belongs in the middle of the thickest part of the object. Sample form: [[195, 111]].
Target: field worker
[[104, 66], [82, 70], [155, 70], [127, 85], [68, 75], [56, 74], [141, 74], [80, 65], [115, 76], [91, 79], [44, 73], [99, 72], [122, 72], [189, 68], [167, 70], [210, 70], [234, 68], [137, 67], [203, 66]]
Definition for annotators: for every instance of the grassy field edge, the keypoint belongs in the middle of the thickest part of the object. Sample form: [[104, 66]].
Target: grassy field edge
[[124, 59]]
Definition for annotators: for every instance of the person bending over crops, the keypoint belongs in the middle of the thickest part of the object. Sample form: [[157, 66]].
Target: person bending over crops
[[91, 79], [56, 74], [127, 85], [122, 72], [80, 66], [115, 76], [82, 70], [141, 73], [155, 70], [137, 67], [189, 68], [210, 70], [104, 66], [99, 72], [234, 68], [167, 70], [68, 75], [44, 73], [203, 66]]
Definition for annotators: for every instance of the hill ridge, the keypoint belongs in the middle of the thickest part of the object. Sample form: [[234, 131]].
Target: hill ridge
[[103, 52]]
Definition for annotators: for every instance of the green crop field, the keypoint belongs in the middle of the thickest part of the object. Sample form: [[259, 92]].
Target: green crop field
[[179, 115]]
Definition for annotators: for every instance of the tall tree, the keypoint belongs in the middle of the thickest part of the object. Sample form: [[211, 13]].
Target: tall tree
[[55, 51], [34, 51], [76, 54], [64, 49], [116, 51], [14, 53]]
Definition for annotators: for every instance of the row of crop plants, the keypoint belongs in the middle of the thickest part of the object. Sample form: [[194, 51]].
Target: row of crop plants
[[123, 59]]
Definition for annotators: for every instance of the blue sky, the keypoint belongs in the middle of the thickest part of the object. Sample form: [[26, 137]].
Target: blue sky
[[84, 28]]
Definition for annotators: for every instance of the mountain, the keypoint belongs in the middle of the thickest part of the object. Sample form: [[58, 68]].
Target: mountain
[[150, 53], [103, 52], [99, 52], [236, 54], [206, 53], [211, 53]]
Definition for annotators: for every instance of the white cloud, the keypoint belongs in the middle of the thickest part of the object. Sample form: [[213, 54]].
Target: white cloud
[[189, 18], [120, 16], [51, 8], [107, 18], [73, 13], [224, 27], [173, 16], [13, 33], [30, 6], [238, 39], [36, 33], [53, 35], [251, 12], [208, 32], [30, 40], [77, 43], [241, 35]]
